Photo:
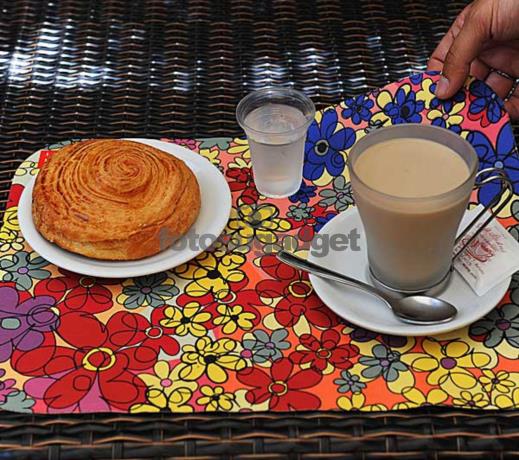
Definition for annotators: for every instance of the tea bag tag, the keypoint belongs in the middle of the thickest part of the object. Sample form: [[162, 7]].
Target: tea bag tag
[[490, 258]]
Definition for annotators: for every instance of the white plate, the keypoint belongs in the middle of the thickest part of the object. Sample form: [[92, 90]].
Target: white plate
[[214, 214], [371, 313]]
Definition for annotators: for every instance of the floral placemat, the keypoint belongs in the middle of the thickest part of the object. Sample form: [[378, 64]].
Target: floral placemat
[[236, 330]]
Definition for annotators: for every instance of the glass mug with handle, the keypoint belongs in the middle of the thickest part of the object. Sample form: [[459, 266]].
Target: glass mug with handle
[[411, 221]]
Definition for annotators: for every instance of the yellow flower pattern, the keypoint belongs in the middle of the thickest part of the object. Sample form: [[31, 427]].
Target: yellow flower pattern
[[27, 167], [500, 381], [260, 222], [187, 320], [216, 399], [11, 219], [448, 365], [212, 358], [508, 401], [165, 391], [416, 398], [10, 240], [212, 155], [234, 317], [358, 402], [471, 399], [449, 118], [210, 272], [239, 163], [240, 146]]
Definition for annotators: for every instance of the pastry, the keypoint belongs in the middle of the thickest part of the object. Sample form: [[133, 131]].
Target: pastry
[[114, 199]]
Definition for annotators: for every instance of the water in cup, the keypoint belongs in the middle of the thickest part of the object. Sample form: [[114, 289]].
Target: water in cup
[[276, 148], [275, 120]]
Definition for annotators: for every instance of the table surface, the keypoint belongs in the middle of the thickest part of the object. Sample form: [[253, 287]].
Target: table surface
[[177, 68]]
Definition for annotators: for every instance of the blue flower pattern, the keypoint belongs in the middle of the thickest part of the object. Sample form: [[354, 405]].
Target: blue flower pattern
[[446, 104], [304, 193], [325, 142], [504, 156], [358, 109], [486, 101], [404, 108]]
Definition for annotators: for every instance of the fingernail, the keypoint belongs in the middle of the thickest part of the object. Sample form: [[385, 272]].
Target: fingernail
[[442, 87]]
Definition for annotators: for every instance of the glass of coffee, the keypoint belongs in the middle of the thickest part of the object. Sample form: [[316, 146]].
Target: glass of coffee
[[411, 184]]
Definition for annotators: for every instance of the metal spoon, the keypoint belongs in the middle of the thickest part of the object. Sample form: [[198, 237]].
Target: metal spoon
[[414, 309]]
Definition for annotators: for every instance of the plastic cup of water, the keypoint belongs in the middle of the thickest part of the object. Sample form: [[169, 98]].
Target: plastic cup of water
[[275, 121]]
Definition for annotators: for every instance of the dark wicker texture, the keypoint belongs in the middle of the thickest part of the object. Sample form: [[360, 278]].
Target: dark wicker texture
[[78, 68], [418, 434]]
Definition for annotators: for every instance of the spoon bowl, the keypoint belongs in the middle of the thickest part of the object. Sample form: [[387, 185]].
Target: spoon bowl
[[414, 309], [423, 310]]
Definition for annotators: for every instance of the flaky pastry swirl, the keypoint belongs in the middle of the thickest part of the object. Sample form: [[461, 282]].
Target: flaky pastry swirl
[[114, 199]]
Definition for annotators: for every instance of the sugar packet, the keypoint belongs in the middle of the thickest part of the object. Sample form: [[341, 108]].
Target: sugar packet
[[490, 258]]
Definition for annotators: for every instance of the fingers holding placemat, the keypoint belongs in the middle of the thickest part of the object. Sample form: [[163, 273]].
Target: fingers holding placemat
[[503, 76]]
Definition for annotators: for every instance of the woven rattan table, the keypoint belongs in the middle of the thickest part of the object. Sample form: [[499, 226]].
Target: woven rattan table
[[174, 68]]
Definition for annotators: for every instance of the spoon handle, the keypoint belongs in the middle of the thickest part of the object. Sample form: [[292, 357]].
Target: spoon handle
[[310, 267]]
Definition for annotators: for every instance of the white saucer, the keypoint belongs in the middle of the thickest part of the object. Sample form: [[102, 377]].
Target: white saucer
[[371, 313], [214, 214]]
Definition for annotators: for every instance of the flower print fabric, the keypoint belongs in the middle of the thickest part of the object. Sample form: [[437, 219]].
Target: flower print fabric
[[235, 329]]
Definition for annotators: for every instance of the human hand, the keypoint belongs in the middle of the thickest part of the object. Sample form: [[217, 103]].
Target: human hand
[[484, 42]]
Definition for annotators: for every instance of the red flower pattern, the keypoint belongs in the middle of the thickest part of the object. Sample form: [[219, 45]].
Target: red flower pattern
[[297, 296], [151, 334], [243, 180], [78, 293], [93, 353], [14, 195], [281, 386], [320, 353]]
